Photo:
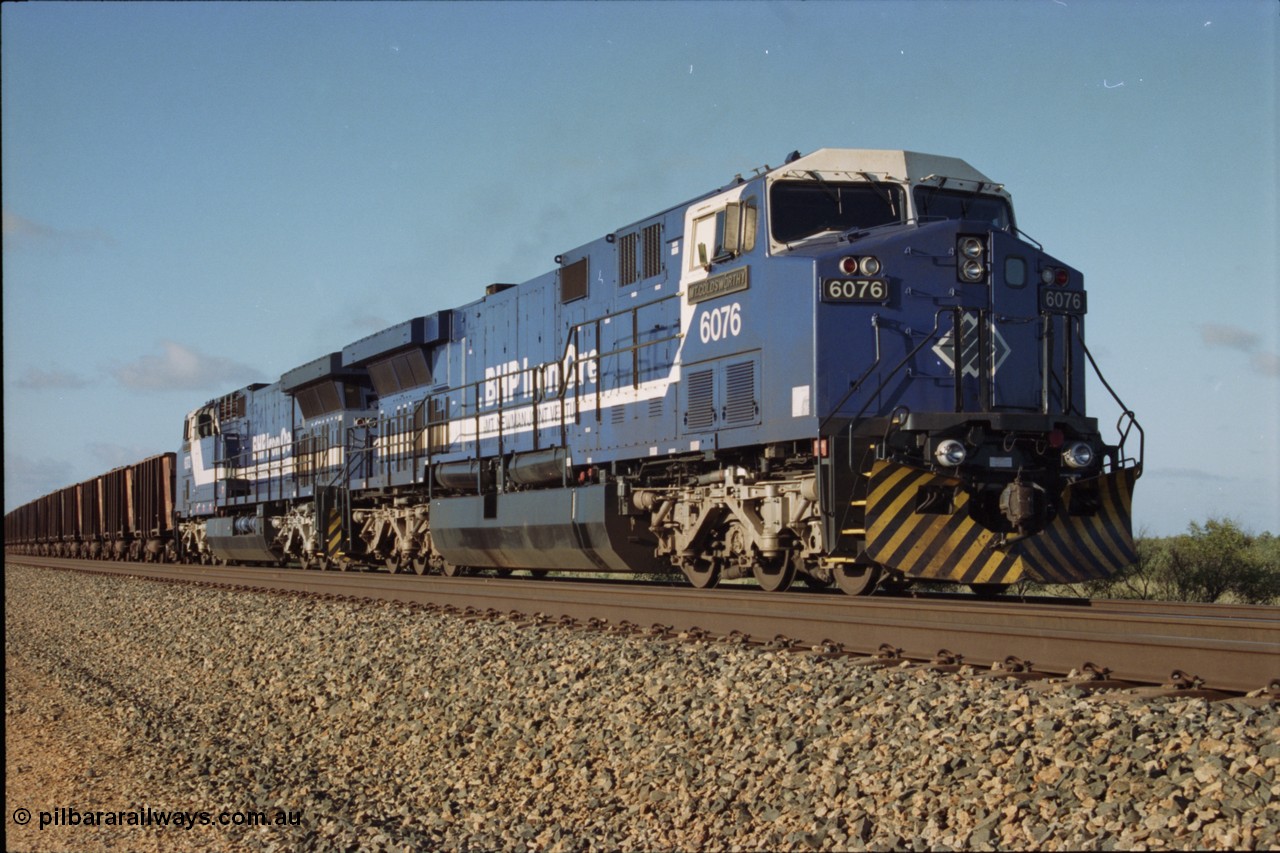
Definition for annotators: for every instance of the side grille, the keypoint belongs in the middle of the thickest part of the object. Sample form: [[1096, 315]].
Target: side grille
[[636, 261], [740, 393], [653, 250], [700, 413], [627, 272]]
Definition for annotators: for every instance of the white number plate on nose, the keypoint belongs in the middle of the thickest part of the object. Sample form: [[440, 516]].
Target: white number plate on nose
[[1063, 301], [865, 290]]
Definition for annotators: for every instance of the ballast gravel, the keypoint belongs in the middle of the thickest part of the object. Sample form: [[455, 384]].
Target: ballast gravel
[[381, 727]]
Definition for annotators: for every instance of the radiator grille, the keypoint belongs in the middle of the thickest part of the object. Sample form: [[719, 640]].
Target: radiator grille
[[637, 259], [653, 250], [627, 272], [701, 411], [740, 393]]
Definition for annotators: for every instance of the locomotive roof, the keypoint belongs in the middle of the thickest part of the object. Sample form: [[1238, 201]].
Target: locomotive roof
[[911, 166]]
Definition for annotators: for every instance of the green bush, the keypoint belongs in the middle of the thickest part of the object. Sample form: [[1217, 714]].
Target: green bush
[[1207, 563], [1216, 561]]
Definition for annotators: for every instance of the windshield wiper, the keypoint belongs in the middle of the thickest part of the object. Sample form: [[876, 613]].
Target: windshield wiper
[[830, 190], [968, 202], [882, 192]]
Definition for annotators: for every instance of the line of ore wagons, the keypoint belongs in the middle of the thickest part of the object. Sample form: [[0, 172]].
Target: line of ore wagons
[[126, 513]]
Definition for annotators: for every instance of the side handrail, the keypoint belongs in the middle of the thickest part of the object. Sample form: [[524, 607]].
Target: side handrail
[[1127, 421], [854, 386]]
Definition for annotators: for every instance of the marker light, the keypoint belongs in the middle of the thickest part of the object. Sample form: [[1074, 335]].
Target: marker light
[[863, 266], [1055, 275], [950, 453]]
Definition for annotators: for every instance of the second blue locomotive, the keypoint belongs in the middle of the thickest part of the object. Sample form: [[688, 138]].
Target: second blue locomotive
[[848, 367]]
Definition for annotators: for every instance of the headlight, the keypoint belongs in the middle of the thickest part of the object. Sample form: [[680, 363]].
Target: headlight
[[869, 266], [950, 453], [971, 247], [972, 271], [1078, 455]]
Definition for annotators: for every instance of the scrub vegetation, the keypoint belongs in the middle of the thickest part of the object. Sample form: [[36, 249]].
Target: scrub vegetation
[[1214, 561]]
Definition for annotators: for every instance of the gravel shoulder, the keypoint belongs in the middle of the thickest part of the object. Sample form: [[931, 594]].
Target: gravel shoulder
[[63, 751], [380, 727]]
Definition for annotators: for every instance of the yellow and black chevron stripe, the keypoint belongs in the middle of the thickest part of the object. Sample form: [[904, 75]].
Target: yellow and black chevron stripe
[[1085, 547], [333, 536], [954, 547]]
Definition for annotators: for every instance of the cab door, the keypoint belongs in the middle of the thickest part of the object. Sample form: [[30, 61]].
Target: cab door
[[1015, 354]]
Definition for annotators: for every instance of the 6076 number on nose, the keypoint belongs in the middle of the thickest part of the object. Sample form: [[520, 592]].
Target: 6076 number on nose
[[869, 290]]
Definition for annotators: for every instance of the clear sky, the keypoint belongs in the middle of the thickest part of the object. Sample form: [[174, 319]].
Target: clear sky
[[198, 196]]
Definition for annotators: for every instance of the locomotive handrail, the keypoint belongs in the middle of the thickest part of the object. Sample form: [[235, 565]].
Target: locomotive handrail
[[1125, 424], [565, 383], [1125, 412], [937, 319], [857, 383]]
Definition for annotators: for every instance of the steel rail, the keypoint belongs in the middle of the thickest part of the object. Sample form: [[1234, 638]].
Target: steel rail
[[1232, 648]]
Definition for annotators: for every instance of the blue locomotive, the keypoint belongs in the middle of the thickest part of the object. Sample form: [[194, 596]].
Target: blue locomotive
[[847, 369]]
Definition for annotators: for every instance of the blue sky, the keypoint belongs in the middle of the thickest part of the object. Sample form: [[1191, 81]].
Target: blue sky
[[197, 196]]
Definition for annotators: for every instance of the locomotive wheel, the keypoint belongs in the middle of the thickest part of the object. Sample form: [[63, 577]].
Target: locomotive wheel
[[394, 561], [538, 574], [449, 570], [856, 578], [419, 564], [774, 575], [702, 574]]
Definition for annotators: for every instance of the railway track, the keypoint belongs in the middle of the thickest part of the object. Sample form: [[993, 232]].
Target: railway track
[[1187, 648]]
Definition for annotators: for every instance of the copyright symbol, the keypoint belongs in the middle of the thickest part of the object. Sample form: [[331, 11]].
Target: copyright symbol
[[21, 816]]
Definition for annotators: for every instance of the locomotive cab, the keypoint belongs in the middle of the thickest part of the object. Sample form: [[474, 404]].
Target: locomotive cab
[[950, 373]]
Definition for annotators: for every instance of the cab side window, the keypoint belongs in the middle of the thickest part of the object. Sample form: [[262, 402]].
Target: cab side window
[[725, 234]]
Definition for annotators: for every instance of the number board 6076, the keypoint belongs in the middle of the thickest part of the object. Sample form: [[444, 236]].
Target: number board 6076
[[873, 291]]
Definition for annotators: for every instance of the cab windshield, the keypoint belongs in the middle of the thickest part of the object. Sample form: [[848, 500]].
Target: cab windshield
[[934, 203], [800, 209]]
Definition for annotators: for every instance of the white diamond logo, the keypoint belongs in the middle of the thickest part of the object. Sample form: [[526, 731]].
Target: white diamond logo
[[944, 349]]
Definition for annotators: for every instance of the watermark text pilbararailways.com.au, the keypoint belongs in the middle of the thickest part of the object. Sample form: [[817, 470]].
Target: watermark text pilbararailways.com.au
[[146, 816]]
